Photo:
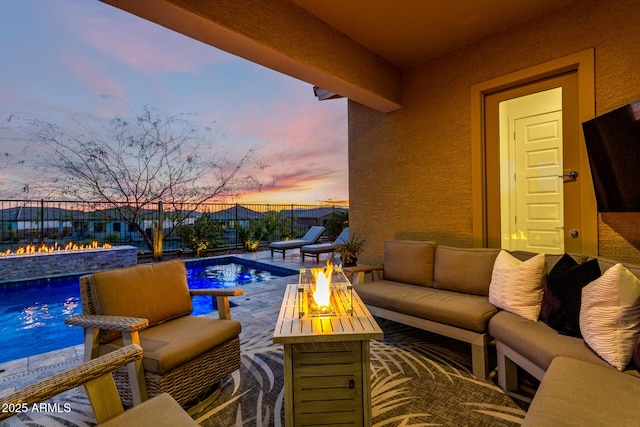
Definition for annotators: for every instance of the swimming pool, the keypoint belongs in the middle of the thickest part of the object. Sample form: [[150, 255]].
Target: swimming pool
[[32, 313]]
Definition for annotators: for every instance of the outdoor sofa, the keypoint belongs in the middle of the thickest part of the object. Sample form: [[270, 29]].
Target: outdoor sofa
[[440, 289], [449, 291], [312, 236], [578, 387]]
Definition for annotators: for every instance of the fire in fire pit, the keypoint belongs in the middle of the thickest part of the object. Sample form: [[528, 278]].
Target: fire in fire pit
[[55, 248], [324, 292]]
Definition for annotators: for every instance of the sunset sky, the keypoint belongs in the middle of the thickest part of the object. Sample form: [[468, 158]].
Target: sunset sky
[[63, 57]]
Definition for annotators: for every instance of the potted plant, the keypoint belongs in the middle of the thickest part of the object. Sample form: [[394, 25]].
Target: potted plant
[[350, 250]]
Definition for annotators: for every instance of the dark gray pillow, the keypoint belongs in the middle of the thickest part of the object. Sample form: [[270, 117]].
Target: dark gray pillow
[[562, 296]]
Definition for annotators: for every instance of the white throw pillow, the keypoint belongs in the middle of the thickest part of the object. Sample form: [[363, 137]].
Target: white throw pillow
[[516, 286], [610, 315]]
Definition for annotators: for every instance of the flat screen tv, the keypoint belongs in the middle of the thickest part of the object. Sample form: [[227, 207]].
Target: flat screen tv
[[613, 146]]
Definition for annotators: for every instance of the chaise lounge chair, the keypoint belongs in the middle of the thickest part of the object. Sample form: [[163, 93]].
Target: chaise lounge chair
[[323, 248], [310, 238]]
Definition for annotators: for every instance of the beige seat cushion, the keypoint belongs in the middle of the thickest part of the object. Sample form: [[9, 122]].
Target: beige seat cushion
[[471, 312], [537, 341], [159, 411], [409, 261], [466, 270], [578, 393], [156, 291], [171, 344]]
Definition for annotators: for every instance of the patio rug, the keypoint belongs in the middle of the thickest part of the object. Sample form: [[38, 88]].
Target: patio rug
[[417, 379]]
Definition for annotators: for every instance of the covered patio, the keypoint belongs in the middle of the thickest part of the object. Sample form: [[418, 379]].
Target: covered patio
[[425, 355]]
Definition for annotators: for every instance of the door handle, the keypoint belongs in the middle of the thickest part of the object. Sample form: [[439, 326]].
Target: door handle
[[571, 175]]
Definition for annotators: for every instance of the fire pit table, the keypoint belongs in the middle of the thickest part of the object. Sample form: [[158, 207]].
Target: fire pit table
[[326, 357]]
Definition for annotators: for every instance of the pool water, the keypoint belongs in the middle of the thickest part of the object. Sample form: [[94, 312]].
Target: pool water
[[32, 315]]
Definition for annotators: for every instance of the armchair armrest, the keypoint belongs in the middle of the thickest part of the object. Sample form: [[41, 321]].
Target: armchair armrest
[[222, 298], [82, 374], [233, 292], [129, 327], [111, 323]]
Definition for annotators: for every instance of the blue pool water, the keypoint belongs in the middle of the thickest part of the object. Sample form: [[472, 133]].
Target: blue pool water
[[32, 314]]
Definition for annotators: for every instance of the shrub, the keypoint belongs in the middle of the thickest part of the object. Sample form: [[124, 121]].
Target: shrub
[[202, 235]]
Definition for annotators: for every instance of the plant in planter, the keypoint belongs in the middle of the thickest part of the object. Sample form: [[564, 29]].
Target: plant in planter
[[350, 250]]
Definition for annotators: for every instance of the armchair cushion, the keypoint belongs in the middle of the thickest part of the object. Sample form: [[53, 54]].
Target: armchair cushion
[[172, 344], [157, 292], [159, 411]]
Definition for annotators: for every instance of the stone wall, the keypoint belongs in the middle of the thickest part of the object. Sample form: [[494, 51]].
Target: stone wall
[[15, 267]]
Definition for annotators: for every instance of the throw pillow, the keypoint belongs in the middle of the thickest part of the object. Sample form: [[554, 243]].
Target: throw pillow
[[562, 295], [636, 355], [516, 286], [610, 315]]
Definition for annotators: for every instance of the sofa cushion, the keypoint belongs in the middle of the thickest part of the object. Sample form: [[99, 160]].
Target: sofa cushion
[[516, 286], [606, 264], [464, 311], [172, 344], [577, 393], [155, 291], [466, 270], [537, 342], [409, 261], [610, 315], [562, 295]]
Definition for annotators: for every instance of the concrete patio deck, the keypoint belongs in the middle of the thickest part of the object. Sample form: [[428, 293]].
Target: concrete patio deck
[[257, 310]]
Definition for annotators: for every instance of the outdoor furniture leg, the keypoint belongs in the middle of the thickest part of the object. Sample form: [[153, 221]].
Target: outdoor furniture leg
[[136, 371]]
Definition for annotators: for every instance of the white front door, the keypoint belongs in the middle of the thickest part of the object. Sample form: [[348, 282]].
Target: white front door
[[539, 204], [532, 199]]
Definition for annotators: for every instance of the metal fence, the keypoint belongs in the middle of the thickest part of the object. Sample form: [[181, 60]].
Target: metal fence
[[46, 222]]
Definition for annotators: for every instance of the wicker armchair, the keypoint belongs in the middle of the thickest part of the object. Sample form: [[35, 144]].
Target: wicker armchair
[[96, 377], [150, 305]]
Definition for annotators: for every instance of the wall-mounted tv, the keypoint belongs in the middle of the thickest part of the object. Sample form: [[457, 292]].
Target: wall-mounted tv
[[613, 146]]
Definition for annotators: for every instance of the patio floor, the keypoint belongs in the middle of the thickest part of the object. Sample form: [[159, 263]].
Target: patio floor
[[257, 310]]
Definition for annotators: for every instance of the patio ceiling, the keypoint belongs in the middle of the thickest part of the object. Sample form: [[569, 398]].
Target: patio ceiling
[[355, 48], [408, 33]]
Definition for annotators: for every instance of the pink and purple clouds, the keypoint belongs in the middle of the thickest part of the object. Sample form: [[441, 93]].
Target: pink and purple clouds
[[64, 57]]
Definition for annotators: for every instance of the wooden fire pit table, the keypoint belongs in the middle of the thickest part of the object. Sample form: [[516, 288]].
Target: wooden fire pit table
[[326, 364]]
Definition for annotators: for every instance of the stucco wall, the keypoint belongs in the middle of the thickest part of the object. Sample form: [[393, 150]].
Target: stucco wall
[[410, 170]]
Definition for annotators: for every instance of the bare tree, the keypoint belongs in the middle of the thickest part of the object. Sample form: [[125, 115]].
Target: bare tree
[[131, 165]]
